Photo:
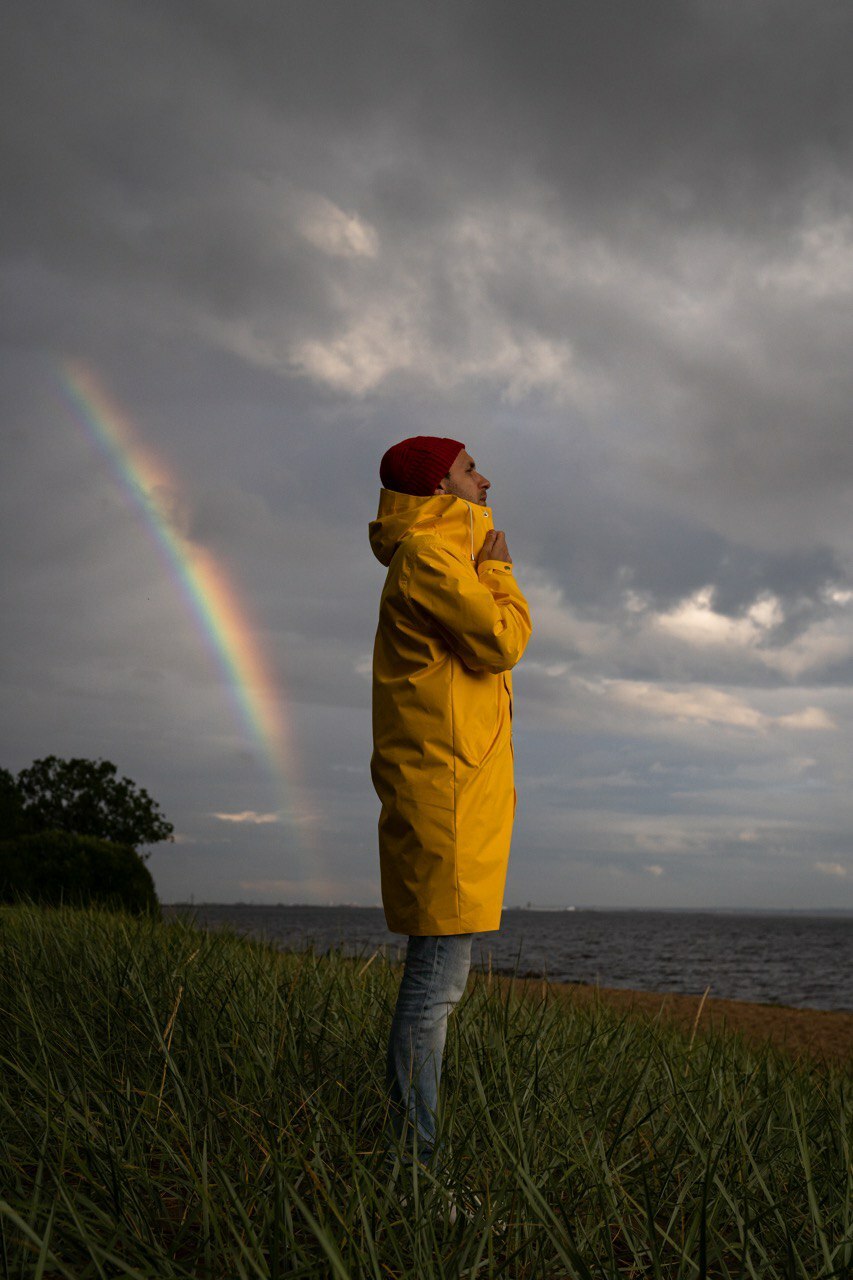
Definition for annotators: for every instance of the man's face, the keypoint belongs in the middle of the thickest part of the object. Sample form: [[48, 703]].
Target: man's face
[[464, 480]]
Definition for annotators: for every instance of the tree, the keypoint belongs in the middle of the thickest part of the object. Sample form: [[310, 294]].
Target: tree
[[85, 797], [13, 821]]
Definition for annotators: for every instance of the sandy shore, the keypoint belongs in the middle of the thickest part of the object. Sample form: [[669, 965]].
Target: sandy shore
[[813, 1034]]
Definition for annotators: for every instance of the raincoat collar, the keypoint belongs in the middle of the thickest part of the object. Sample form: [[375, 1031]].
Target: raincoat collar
[[462, 524]]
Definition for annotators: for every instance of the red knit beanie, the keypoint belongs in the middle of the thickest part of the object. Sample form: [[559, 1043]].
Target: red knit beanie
[[417, 465]]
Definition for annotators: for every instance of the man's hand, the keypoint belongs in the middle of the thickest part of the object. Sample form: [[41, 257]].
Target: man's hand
[[494, 548]]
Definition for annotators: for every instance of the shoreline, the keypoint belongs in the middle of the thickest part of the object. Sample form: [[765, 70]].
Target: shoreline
[[816, 1035], [813, 1035]]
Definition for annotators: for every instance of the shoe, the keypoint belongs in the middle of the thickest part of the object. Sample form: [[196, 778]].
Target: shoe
[[467, 1206], [457, 1207]]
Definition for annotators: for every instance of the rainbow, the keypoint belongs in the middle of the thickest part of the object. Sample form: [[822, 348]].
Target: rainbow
[[221, 616]]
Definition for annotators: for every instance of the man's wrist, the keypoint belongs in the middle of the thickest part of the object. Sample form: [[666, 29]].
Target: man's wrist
[[505, 565]]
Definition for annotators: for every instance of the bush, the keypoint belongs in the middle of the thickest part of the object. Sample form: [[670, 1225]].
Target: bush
[[13, 820], [54, 867]]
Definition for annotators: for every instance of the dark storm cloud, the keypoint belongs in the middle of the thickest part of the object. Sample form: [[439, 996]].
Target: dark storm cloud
[[718, 114], [696, 107], [598, 537]]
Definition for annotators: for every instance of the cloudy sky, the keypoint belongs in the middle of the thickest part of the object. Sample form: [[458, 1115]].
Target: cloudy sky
[[609, 246]]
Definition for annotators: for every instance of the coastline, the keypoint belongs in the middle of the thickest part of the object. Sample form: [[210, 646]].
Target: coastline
[[813, 1035]]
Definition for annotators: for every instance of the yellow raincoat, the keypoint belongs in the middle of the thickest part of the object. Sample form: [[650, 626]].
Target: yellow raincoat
[[449, 633]]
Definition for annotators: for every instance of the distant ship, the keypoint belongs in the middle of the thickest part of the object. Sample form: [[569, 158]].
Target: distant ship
[[532, 906]]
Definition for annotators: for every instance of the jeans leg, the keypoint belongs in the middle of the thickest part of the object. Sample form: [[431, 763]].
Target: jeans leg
[[433, 983]]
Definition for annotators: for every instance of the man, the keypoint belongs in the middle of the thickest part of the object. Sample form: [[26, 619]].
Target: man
[[452, 623]]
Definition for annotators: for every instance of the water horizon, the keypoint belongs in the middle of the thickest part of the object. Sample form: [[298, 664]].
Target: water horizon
[[531, 907], [801, 958]]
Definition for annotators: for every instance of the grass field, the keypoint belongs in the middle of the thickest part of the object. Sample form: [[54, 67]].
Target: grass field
[[178, 1103]]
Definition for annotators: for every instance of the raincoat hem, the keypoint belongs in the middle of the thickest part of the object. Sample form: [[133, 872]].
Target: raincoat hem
[[446, 928]]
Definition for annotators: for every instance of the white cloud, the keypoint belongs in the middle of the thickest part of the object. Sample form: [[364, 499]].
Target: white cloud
[[316, 889], [249, 816], [831, 869], [820, 262], [696, 621], [257, 339], [819, 645], [596, 782], [528, 362], [385, 325], [808, 718], [387, 335], [373, 346], [702, 704], [635, 602], [654, 870], [661, 836], [340, 234], [693, 836], [552, 670], [556, 623], [696, 703]]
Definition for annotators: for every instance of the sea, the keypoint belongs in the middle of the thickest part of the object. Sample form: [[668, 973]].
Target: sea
[[784, 958]]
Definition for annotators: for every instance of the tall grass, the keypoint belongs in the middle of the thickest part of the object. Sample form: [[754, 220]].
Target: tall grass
[[181, 1103]]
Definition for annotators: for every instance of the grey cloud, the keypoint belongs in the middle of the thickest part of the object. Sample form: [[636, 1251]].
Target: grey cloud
[[696, 103], [606, 245]]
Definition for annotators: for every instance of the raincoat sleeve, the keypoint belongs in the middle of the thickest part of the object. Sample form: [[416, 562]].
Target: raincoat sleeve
[[481, 614]]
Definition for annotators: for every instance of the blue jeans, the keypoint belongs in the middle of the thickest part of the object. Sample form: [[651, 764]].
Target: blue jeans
[[433, 984]]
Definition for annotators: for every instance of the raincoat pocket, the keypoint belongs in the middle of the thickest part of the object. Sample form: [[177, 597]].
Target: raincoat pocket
[[476, 707]]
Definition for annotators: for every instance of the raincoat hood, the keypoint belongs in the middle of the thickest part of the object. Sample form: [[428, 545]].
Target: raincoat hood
[[461, 524]]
